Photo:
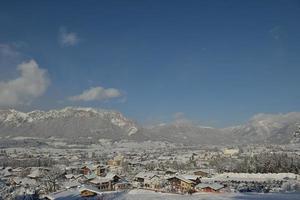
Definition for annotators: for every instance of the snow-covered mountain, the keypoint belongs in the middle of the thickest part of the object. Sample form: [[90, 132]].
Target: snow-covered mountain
[[268, 128], [262, 128], [188, 133], [68, 122], [76, 123]]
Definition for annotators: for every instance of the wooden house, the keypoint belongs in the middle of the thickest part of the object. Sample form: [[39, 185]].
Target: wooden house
[[99, 170], [202, 173], [102, 183], [154, 182], [180, 184], [106, 183], [86, 170]]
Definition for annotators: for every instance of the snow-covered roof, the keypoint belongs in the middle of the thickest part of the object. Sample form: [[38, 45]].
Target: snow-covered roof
[[100, 180], [111, 175], [18, 169], [69, 176], [91, 176], [35, 174], [208, 171], [71, 184], [182, 179], [25, 181], [145, 175], [191, 177], [73, 193], [214, 186]]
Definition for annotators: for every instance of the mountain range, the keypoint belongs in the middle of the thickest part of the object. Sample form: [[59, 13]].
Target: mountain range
[[77, 122]]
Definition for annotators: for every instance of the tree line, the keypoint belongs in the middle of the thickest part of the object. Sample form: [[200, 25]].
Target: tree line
[[259, 163]]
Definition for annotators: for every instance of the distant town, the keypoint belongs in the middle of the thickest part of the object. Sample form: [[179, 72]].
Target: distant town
[[109, 169]]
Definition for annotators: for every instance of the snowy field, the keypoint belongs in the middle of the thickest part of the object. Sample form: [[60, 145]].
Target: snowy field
[[148, 195]]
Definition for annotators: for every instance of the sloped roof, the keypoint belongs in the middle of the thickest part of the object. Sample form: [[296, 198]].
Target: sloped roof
[[99, 180], [73, 194], [145, 175], [191, 177], [182, 179], [35, 174], [71, 184], [214, 186], [111, 175], [69, 176], [24, 181], [18, 169], [91, 176], [7, 173]]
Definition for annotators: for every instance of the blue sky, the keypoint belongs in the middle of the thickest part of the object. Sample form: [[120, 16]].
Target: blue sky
[[218, 62]]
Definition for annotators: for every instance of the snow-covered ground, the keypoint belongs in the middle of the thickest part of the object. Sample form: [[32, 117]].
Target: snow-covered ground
[[149, 195]]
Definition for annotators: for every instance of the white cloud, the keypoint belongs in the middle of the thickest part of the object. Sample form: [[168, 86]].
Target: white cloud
[[68, 38], [97, 94], [31, 84]]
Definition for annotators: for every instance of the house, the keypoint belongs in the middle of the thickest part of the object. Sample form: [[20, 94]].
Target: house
[[73, 158], [230, 151], [86, 170], [195, 178], [37, 173], [96, 169], [122, 185], [106, 183], [71, 184], [17, 171], [7, 172], [117, 161], [100, 170], [140, 177], [72, 170], [180, 184], [113, 176], [82, 193], [202, 172], [147, 179], [209, 187], [89, 177], [135, 165], [23, 182], [72, 176], [170, 172], [154, 182]]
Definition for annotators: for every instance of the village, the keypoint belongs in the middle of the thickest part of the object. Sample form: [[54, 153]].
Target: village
[[44, 173]]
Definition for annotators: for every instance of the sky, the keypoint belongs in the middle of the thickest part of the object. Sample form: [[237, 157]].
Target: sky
[[216, 62]]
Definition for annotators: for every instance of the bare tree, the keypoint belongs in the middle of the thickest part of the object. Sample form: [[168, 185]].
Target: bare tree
[[50, 182]]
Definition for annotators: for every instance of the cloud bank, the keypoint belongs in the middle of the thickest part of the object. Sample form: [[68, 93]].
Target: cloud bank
[[68, 38], [32, 83], [97, 94]]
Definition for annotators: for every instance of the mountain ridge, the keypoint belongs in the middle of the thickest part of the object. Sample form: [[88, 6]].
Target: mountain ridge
[[77, 122]]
